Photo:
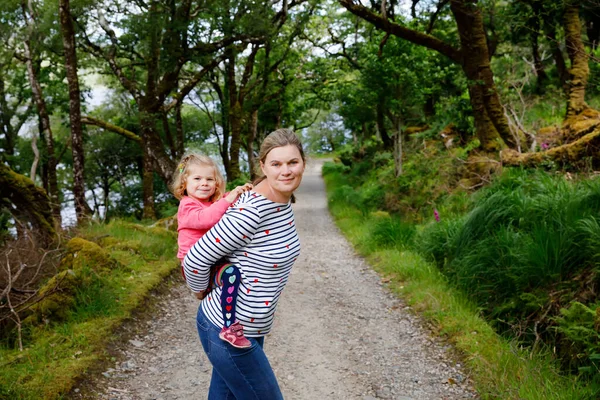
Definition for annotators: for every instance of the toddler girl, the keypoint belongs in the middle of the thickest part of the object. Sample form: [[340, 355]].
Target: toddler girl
[[200, 187]]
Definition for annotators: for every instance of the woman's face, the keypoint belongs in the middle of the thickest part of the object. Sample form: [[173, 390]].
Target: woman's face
[[283, 168]]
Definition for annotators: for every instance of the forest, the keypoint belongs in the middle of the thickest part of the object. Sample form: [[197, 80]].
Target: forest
[[465, 130]]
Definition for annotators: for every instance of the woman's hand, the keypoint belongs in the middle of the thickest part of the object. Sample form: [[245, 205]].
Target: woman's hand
[[200, 295], [235, 193]]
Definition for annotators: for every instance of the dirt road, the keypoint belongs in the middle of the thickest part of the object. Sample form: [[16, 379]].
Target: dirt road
[[338, 333]]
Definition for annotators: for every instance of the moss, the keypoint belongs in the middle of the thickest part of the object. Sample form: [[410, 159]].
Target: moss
[[82, 252], [107, 241], [169, 223], [30, 200], [411, 130], [131, 246], [57, 298]]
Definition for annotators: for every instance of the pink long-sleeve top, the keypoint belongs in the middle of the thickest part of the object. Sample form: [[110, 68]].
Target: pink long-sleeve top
[[194, 219]]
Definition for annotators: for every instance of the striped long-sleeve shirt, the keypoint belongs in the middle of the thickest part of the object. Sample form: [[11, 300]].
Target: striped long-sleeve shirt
[[258, 236]]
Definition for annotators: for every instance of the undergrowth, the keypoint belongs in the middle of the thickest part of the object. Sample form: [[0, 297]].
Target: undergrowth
[[510, 274], [105, 274]]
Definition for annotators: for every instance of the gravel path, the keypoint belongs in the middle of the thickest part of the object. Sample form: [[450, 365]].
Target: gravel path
[[338, 333]]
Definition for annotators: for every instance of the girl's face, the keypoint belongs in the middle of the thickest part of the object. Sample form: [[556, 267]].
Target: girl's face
[[283, 168], [201, 182]]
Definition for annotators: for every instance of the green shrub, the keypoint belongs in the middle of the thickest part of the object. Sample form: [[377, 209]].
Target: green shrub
[[580, 329], [394, 233]]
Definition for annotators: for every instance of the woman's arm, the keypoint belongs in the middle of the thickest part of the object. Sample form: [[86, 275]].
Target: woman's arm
[[234, 231], [194, 215]]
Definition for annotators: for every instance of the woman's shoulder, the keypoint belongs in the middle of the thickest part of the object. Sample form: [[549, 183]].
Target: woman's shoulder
[[261, 203]]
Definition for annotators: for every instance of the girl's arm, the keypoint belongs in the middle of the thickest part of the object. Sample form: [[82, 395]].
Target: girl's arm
[[234, 231], [194, 215]]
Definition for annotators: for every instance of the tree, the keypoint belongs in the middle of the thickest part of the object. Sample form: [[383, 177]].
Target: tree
[[42, 110], [68, 32], [157, 62], [580, 70], [473, 56]]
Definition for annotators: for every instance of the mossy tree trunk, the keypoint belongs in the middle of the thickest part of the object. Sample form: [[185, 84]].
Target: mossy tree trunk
[[477, 68], [25, 200], [82, 209], [579, 70]]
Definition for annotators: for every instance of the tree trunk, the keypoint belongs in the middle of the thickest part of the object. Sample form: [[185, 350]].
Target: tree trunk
[[40, 103], [66, 23], [168, 135], [579, 71], [179, 135], [388, 142], [542, 77], [147, 188], [557, 54], [398, 152], [30, 201], [235, 122], [592, 26], [147, 130], [476, 65], [5, 120], [250, 144]]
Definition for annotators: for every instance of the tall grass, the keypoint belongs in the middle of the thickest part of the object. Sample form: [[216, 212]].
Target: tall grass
[[521, 254]]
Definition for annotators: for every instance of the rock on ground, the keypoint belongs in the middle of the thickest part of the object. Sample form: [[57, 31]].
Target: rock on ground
[[338, 333]]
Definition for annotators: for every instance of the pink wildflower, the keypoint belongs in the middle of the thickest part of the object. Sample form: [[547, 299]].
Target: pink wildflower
[[436, 214], [545, 146]]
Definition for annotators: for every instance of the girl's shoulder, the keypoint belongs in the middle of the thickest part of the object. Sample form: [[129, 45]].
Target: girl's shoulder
[[187, 201]]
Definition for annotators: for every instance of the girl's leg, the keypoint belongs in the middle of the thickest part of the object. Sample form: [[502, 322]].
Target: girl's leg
[[241, 374], [229, 277]]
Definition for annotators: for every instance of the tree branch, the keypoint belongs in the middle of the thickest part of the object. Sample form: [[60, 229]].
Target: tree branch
[[402, 32], [110, 127]]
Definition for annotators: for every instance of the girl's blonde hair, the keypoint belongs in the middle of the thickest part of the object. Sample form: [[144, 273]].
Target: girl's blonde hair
[[181, 174]]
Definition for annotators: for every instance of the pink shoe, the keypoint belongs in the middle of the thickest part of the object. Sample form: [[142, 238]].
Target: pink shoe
[[234, 335]]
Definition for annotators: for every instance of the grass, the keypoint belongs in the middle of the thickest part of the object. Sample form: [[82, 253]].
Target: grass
[[57, 354], [499, 368]]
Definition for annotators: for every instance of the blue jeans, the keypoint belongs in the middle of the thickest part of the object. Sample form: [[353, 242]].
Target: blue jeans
[[238, 374]]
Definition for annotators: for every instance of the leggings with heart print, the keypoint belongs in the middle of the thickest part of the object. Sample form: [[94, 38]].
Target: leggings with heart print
[[228, 277]]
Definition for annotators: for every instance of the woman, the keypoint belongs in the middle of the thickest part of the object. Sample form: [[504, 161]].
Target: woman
[[257, 234]]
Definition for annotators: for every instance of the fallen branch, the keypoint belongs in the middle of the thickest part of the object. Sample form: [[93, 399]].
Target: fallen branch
[[587, 146]]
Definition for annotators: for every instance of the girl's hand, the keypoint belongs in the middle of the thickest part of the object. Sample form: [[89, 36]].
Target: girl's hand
[[235, 193]]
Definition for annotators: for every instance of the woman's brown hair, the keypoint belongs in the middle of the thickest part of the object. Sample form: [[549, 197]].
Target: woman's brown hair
[[181, 174]]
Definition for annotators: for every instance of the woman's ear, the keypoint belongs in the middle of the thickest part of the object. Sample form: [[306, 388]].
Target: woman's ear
[[262, 167]]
